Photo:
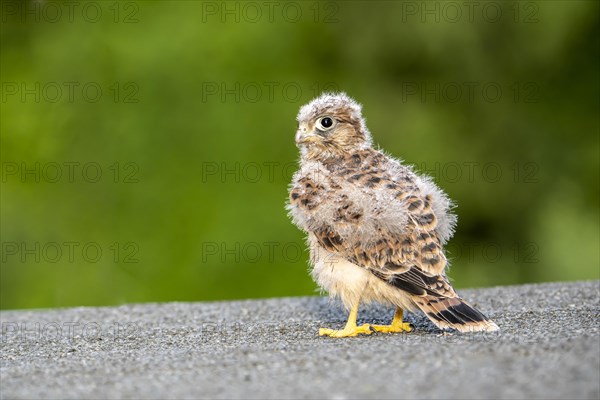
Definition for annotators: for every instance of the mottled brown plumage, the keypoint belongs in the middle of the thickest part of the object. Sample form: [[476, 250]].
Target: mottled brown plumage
[[376, 229]]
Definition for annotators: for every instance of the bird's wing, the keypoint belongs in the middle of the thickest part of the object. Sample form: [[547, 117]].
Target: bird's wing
[[412, 260], [405, 263]]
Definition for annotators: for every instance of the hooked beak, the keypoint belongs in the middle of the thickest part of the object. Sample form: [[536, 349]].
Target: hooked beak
[[304, 136]]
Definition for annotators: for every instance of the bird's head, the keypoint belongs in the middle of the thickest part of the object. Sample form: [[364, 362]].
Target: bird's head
[[331, 125]]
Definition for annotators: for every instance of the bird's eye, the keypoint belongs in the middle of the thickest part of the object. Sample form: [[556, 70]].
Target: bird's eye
[[325, 123]]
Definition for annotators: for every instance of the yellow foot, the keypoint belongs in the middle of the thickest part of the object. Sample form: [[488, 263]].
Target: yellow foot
[[346, 332], [393, 328]]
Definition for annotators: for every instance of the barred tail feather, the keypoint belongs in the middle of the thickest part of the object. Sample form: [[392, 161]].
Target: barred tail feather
[[454, 312]]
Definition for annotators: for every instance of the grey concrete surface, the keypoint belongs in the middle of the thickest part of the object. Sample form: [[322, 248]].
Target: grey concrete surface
[[548, 347]]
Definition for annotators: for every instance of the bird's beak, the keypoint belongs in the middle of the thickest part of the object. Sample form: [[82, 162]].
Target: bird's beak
[[304, 136]]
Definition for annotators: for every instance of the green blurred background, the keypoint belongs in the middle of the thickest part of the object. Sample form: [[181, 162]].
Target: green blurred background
[[193, 131]]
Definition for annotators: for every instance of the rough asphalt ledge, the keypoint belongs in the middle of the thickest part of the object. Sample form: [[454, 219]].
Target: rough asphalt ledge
[[549, 347]]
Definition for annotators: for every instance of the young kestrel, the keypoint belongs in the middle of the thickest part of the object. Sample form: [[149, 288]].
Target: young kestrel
[[375, 228]]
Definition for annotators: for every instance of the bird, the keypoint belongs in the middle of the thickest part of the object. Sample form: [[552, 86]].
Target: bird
[[376, 229]]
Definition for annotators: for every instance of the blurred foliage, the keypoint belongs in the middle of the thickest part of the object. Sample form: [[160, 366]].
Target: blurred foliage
[[197, 116]]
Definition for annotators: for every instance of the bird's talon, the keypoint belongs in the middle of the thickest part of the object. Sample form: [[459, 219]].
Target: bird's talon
[[394, 328], [364, 329]]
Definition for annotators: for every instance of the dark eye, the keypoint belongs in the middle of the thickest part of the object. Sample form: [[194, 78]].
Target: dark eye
[[325, 123]]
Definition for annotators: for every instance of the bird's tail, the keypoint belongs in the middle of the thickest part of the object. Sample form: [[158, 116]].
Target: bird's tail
[[454, 312]]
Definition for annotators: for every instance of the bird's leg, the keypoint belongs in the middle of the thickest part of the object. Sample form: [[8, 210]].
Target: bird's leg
[[350, 329], [396, 326]]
